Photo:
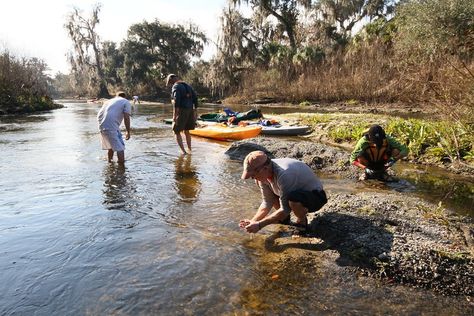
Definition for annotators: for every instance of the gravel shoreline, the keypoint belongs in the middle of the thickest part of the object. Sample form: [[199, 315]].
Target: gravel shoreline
[[391, 236]]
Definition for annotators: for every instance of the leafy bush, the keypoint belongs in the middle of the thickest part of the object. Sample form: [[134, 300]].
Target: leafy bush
[[438, 141], [24, 86], [436, 28]]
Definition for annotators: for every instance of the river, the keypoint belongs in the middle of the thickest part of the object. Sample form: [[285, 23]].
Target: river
[[159, 236]]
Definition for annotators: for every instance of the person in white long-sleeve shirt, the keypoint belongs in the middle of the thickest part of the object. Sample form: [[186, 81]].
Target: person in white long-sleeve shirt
[[286, 184]]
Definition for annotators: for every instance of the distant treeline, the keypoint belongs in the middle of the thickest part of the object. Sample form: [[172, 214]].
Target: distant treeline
[[407, 51], [412, 51], [24, 86]]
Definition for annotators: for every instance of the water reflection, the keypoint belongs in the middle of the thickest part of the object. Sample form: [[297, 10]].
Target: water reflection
[[445, 189], [118, 188], [188, 185]]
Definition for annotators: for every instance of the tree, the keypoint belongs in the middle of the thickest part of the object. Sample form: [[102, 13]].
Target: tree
[[24, 86], [113, 63], [225, 68], [63, 85], [152, 50], [435, 34], [437, 28], [285, 11], [334, 20], [344, 15], [86, 55]]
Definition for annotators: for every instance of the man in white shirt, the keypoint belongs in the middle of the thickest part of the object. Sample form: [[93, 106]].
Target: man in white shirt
[[288, 185], [110, 117]]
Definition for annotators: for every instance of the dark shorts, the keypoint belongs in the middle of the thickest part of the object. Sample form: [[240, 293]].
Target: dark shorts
[[184, 121], [312, 200]]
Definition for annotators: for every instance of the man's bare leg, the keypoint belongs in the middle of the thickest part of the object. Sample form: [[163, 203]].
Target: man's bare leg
[[188, 139], [179, 140], [121, 157], [110, 155], [300, 212]]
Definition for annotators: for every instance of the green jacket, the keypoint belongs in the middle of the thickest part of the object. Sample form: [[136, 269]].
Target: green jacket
[[363, 144]]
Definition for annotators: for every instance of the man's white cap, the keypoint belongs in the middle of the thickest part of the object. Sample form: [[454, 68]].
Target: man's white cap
[[168, 78]]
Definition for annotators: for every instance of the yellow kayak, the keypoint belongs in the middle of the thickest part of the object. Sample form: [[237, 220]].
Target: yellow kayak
[[224, 132]]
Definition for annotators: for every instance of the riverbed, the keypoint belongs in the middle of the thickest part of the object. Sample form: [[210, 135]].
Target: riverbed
[[159, 236]]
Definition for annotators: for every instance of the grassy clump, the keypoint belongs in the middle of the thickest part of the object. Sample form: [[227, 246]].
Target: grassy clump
[[305, 104]]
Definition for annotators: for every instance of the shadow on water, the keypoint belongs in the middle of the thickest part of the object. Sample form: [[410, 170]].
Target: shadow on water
[[186, 179], [356, 240]]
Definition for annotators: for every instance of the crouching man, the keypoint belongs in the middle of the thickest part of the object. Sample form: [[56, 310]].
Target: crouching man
[[376, 152], [288, 185]]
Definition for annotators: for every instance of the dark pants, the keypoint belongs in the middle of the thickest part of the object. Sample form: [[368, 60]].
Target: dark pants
[[312, 200]]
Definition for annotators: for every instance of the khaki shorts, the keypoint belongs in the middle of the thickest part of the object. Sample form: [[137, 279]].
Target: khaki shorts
[[184, 121]]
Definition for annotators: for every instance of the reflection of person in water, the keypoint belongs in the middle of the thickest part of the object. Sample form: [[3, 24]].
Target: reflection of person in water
[[117, 187], [187, 181]]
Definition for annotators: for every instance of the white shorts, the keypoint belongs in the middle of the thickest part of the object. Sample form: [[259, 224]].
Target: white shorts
[[112, 140]]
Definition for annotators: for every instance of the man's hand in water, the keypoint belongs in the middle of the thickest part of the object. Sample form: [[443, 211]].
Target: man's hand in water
[[253, 227], [243, 223], [390, 163], [369, 172]]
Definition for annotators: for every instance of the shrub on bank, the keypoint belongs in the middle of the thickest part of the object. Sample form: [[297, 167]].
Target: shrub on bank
[[24, 86], [26, 104]]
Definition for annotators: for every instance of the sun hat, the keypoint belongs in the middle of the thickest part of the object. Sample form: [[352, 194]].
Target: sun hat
[[252, 162]]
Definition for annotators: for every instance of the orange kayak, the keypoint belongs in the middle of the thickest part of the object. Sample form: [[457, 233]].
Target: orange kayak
[[224, 132]]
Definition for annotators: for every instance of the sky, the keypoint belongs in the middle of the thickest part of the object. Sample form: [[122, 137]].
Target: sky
[[35, 28]]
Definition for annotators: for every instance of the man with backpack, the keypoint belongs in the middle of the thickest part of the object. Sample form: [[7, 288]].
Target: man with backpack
[[185, 104]]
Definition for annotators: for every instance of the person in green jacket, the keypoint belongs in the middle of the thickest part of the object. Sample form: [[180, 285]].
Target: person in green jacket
[[376, 152]]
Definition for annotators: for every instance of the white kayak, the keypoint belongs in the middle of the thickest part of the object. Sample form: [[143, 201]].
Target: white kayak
[[285, 130]]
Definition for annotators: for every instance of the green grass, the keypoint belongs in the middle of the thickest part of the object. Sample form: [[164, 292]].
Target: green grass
[[350, 132], [305, 103]]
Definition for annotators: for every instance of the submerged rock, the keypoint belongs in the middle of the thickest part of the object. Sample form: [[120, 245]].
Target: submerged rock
[[387, 235]]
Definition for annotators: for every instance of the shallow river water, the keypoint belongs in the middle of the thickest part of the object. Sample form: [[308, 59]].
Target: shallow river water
[[157, 237]]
